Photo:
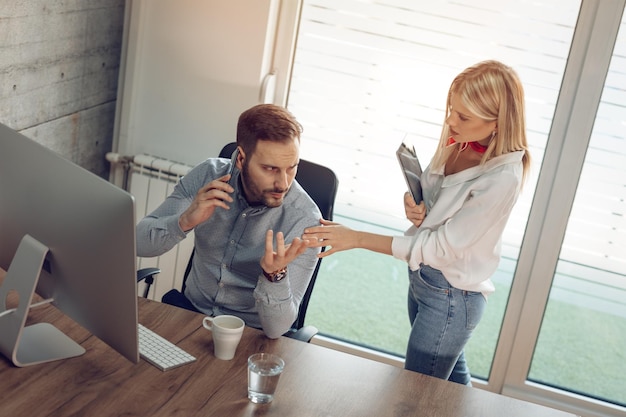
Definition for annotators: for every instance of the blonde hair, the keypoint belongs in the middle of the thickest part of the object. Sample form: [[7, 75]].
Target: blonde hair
[[491, 91]]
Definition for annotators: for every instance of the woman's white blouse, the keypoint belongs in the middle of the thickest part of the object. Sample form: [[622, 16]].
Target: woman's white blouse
[[466, 215]]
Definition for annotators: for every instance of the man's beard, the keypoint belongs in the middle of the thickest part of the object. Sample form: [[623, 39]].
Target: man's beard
[[254, 194]]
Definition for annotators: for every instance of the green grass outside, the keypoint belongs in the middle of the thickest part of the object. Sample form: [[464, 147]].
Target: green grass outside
[[360, 296]]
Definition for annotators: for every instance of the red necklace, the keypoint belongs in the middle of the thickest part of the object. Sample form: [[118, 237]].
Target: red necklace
[[477, 147]]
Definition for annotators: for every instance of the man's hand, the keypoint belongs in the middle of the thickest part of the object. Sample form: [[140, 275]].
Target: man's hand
[[214, 194], [273, 260]]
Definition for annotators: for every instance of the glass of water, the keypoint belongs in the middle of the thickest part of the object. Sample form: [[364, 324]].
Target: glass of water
[[264, 370]]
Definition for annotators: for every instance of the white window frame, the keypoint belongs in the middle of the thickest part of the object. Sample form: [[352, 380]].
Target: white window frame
[[588, 62]]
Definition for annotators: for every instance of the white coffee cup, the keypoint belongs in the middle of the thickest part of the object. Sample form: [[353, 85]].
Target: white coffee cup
[[227, 331]]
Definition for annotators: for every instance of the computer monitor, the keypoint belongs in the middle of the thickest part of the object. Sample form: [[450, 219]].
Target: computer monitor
[[76, 237]]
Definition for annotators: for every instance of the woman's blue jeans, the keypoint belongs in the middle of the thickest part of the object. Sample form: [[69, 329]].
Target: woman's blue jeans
[[443, 319]]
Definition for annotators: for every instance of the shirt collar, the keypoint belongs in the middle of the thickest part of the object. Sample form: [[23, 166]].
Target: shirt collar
[[478, 170]]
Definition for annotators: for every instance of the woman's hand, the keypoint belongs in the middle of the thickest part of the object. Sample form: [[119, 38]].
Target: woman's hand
[[330, 234], [414, 212]]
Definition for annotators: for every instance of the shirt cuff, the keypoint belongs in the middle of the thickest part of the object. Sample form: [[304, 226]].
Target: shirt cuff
[[272, 292], [401, 248], [173, 228]]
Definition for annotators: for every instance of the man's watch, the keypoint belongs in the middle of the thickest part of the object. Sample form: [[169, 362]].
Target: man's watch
[[276, 275]]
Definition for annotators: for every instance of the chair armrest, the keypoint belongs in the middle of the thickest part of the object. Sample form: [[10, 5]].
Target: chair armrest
[[147, 272], [304, 334]]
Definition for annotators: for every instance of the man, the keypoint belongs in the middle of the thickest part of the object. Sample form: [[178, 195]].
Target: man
[[234, 207]]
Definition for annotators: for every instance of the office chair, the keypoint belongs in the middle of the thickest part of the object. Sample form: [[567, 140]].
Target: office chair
[[321, 184]]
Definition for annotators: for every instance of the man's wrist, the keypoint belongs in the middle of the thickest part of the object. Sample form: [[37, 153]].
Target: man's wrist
[[183, 225], [275, 276]]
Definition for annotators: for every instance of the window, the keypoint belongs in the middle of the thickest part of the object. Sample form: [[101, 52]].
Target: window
[[367, 73], [586, 312]]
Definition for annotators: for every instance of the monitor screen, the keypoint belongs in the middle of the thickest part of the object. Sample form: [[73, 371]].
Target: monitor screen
[[88, 227]]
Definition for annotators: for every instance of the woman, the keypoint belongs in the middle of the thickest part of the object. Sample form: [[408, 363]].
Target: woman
[[453, 247]]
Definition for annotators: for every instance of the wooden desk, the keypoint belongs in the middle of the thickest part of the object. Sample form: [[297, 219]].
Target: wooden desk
[[316, 382]]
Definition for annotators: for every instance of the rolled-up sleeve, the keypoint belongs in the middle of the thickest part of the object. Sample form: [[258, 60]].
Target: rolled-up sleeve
[[278, 303], [159, 231], [157, 235]]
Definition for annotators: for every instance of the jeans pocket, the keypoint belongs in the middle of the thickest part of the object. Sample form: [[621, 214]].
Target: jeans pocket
[[474, 308], [432, 279]]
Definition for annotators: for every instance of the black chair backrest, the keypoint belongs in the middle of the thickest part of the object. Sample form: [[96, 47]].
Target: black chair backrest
[[321, 184], [228, 149]]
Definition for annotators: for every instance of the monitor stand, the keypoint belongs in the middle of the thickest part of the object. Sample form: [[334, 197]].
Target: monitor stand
[[37, 343]]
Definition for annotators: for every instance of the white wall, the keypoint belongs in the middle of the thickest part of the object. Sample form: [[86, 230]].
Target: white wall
[[191, 68]]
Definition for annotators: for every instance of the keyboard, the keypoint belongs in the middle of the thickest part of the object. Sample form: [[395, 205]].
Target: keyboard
[[160, 352]]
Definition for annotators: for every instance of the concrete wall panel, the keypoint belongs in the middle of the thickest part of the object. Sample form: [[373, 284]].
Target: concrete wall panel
[[59, 69]]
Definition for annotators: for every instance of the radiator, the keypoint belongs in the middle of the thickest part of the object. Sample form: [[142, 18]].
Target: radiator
[[150, 180]]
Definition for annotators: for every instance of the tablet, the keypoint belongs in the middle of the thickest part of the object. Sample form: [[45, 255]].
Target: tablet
[[411, 170]]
